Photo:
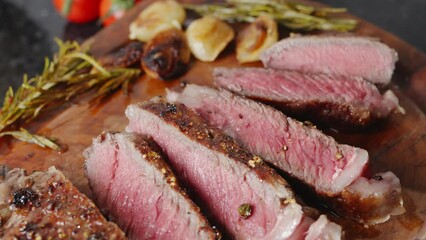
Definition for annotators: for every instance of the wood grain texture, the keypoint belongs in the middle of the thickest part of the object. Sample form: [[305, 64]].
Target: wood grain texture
[[397, 144]]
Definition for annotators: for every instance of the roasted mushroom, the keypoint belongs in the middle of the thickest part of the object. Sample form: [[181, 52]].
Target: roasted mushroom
[[167, 55], [255, 38], [157, 17], [126, 56], [207, 37]]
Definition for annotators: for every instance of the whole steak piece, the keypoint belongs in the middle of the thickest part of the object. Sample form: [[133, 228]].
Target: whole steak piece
[[134, 185], [336, 172], [339, 102], [353, 56], [45, 205], [248, 199]]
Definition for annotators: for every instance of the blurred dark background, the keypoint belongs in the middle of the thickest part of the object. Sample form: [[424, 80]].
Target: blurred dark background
[[27, 29]]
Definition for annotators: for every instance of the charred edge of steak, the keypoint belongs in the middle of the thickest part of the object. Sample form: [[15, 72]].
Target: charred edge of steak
[[154, 154], [126, 56], [343, 117], [365, 210], [193, 126], [45, 205]]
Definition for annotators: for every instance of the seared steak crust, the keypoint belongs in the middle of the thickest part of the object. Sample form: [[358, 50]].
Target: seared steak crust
[[196, 128], [45, 205], [340, 116]]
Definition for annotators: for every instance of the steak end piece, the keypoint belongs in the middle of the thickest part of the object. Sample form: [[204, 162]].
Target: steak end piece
[[134, 185], [45, 205], [334, 55], [246, 198], [334, 171], [339, 102], [371, 201]]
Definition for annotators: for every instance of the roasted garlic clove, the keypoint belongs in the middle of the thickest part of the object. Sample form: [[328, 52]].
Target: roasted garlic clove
[[157, 17], [255, 38], [207, 37], [166, 56]]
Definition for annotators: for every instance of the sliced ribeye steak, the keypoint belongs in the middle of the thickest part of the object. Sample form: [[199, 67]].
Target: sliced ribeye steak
[[335, 171], [134, 185], [339, 102], [334, 55], [45, 205], [248, 199]]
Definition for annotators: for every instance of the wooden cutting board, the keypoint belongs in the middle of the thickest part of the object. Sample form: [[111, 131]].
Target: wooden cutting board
[[397, 144]]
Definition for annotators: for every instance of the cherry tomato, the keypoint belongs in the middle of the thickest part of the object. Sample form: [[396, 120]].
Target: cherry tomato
[[111, 10], [78, 11]]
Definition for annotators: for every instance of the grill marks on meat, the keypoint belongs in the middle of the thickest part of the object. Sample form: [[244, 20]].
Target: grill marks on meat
[[222, 175], [336, 101], [335, 171], [45, 205], [134, 185], [333, 55]]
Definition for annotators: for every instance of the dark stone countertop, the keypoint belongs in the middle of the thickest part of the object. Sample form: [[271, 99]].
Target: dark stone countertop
[[27, 29]]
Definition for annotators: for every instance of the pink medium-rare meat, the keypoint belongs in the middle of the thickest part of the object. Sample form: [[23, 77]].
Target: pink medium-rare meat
[[334, 55], [267, 131], [45, 205], [336, 101], [133, 184], [335, 171], [246, 198]]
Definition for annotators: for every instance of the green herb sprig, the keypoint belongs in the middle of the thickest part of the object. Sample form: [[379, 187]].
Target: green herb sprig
[[71, 72], [295, 16]]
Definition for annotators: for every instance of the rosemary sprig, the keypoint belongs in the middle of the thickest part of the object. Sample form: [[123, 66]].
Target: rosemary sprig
[[26, 136], [295, 16], [71, 72]]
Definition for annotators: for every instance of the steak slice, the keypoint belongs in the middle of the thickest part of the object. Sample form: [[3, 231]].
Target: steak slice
[[248, 199], [336, 101], [45, 205], [335, 171], [334, 55], [138, 189]]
